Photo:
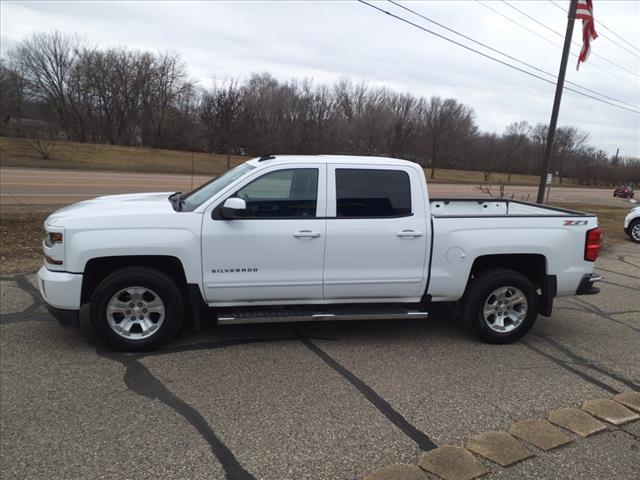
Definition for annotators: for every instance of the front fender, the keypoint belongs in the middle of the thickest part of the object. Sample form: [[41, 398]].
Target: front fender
[[181, 243]]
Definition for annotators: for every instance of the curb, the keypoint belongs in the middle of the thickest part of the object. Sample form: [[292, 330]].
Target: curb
[[505, 449]]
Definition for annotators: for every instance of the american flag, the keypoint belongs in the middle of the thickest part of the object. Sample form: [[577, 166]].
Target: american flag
[[584, 12]]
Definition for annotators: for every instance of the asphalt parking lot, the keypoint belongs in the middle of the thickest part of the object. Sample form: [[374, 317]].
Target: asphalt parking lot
[[313, 401]]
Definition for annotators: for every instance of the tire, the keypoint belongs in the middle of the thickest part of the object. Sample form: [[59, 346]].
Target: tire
[[488, 289], [634, 230], [128, 325]]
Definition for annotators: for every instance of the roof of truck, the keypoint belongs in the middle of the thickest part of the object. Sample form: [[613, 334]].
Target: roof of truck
[[352, 159]]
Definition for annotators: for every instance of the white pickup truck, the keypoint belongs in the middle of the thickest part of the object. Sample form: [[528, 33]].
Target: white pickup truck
[[297, 238]]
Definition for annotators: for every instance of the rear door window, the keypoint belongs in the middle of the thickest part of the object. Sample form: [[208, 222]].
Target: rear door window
[[368, 193]]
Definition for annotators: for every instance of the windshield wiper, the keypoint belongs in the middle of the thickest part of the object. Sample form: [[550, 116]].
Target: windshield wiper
[[177, 201]]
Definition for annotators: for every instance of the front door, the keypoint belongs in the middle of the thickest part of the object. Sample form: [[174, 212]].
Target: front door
[[274, 254]]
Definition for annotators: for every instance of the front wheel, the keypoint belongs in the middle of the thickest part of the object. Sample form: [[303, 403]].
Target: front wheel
[[136, 309], [500, 305]]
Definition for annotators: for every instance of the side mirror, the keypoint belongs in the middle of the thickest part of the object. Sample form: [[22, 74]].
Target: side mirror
[[233, 208]]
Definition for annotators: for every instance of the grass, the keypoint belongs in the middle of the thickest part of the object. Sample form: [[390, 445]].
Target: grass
[[22, 233], [610, 219], [18, 152], [477, 178], [21, 230]]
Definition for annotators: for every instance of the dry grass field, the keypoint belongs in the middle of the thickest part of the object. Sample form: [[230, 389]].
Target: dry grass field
[[22, 230], [18, 152]]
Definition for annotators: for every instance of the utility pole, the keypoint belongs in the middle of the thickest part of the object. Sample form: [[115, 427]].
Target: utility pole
[[556, 102]]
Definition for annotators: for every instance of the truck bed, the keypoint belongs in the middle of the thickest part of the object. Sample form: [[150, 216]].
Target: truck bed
[[465, 207], [469, 228]]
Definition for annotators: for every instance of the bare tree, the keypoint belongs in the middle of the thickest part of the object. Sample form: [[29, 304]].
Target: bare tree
[[12, 91], [568, 141], [46, 61], [449, 127], [220, 113], [515, 142], [488, 150], [164, 82]]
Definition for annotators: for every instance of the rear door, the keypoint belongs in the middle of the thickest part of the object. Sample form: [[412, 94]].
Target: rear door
[[377, 234]]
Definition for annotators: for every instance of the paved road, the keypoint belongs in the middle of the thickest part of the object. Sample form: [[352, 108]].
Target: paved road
[[312, 401], [40, 186]]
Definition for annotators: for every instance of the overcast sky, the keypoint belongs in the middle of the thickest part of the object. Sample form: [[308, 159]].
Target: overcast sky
[[325, 40]]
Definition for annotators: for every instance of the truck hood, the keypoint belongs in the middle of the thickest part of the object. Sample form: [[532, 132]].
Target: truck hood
[[130, 204]]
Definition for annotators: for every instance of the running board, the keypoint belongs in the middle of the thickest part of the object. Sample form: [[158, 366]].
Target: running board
[[282, 315]]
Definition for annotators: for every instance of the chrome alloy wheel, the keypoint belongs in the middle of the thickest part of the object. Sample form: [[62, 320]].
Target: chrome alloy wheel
[[635, 232], [135, 313], [505, 309]]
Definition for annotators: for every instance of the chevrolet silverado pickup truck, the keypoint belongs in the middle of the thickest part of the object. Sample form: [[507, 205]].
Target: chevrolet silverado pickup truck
[[309, 238]]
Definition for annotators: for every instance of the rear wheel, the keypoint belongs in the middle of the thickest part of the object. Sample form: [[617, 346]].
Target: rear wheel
[[136, 309], [500, 305], [634, 230]]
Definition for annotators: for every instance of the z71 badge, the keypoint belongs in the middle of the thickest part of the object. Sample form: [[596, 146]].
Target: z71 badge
[[574, 223]]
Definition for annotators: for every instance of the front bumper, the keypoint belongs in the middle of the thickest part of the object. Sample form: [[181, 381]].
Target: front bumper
[[586, 284], [60, 289], [61, 294]]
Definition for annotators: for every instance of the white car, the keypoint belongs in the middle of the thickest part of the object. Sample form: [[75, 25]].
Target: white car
[[305, 238], [632, 224]]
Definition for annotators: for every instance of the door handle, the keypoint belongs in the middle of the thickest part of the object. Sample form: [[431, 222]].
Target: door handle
[[409, 233], [306, 234]]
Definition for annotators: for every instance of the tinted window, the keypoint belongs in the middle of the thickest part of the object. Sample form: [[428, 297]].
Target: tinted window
[[372, 193], [282, 194]]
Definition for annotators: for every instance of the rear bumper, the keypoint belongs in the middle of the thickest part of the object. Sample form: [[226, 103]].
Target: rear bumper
[[586, 286]]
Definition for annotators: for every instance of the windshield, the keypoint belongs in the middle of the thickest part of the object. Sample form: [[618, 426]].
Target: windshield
[[204, 192]]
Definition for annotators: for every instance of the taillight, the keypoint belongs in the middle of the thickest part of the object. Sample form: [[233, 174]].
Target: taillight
[[592, 245]]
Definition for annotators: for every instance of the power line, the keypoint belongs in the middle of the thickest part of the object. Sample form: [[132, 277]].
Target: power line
[[562, 36], [594, 65], [519, 24], [490, 57], [608, 29], [507, 55], [618, 36]]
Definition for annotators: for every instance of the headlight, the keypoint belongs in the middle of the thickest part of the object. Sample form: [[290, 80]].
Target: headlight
[[53, 247], [51, 238]]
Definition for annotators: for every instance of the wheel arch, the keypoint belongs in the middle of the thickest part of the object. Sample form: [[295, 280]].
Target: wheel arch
[[531, 265], [96, 269], [632, 223]]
